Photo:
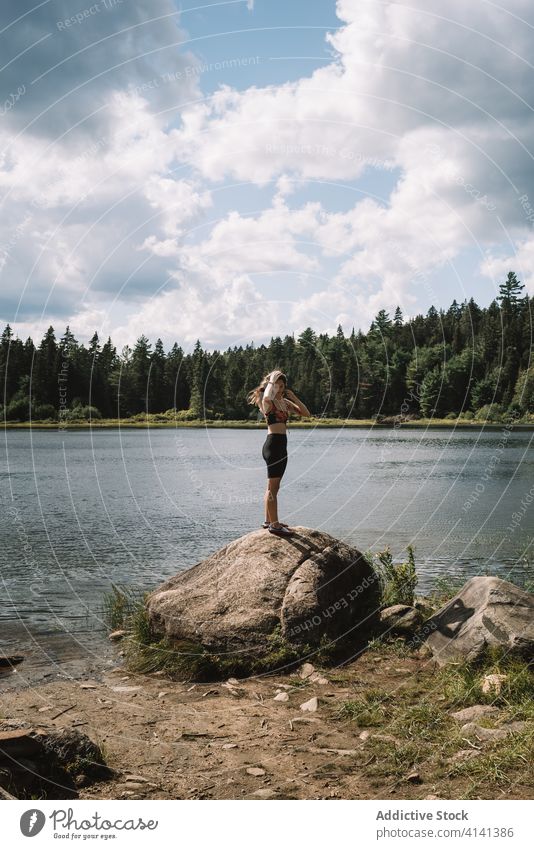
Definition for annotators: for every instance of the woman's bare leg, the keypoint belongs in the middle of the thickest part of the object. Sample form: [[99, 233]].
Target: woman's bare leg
[[271, 501]]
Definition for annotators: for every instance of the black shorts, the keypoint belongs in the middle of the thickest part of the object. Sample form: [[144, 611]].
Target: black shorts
[[274, 452]]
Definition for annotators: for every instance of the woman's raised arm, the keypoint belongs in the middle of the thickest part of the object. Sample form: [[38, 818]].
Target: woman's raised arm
[[301, 407]]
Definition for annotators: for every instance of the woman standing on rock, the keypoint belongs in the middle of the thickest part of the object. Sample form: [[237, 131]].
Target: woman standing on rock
[[275, 401]]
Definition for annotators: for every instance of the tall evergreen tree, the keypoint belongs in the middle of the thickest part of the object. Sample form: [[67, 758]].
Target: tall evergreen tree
[[176, 379], [49, 386], [509, 294], [199, 376], [439, 363], [158, 384], [139, 370]]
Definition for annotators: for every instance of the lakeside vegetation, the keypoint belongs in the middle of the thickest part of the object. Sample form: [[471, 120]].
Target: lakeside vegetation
[[125, 609], [525, 422], [464, 365], [414, 734]]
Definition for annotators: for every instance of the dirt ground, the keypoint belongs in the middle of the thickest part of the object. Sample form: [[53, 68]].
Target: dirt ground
[[174, 740]]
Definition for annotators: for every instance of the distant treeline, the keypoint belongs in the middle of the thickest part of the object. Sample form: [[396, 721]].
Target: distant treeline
[[440, 364]]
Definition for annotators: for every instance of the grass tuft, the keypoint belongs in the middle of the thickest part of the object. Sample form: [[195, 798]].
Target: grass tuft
[[397, 580], [145, 652]]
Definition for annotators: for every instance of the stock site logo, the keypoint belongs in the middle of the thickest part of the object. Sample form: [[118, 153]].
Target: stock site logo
[[31, 822]]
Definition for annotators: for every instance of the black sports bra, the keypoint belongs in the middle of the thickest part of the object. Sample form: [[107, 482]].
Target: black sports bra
[[276, 416]]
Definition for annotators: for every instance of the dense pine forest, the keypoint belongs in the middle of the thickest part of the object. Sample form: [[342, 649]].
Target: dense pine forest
[[466, 360]]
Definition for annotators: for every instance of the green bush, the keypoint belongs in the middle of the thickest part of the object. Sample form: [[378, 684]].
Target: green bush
[[45, 411], [18, 409], [84, 413], [186, 415], [490, 412], [173, 413], [514, 412], [398, 580], [120, 606], [524, 390]]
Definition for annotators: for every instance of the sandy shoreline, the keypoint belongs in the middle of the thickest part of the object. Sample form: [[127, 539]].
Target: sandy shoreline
[[427, 424], [49, 655], [178, 740]]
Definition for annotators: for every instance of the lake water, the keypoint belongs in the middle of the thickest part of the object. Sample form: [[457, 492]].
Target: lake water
[[83, 508]]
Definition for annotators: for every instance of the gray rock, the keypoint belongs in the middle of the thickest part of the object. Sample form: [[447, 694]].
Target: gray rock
[[306, 670], [487, 735], [401, 619], [263, 793], [38, 761], [311, 705], [469, 714], [384, 738], [7, 660], [493, 683], [117, 635], [515, 726], [463, 755], [316, 678], [309, 585], [486, 611]]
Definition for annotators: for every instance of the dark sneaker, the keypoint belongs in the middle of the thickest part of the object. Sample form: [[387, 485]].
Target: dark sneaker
[[282, 531]]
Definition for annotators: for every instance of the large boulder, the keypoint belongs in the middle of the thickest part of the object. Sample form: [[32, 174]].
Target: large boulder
[[48, 763], [401, 619], [303, 587], [486, 611]]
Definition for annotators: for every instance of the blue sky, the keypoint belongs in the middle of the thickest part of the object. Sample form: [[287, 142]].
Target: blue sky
[[236, 171], [289, 38]]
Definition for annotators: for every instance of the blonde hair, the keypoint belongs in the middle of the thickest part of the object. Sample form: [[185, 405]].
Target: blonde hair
[[255, 395]]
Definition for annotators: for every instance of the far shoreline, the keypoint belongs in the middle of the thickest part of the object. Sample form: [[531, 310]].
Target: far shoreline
[[389, 423]]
